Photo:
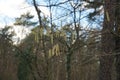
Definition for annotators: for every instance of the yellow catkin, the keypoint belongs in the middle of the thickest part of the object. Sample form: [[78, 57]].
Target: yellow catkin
[[37, 38], [107, 15], [34, 35], [50, 53], [33, 32], [57, 50], [51, 37], [41, 32], [54, 50], [57, 35], [65, 37]]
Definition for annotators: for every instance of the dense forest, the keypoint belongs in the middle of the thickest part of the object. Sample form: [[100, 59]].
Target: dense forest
[[78, 40]]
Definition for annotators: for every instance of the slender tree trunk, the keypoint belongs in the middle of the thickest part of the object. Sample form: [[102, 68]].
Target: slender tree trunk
[[68, 66], [108, 42], [117, 25]]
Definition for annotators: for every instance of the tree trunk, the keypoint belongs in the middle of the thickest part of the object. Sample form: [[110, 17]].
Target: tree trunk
[[117, 25], [68, 63], [68, 66], [108, 42]]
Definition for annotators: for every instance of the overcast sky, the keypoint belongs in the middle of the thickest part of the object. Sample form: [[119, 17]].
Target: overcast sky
[[11, 9]]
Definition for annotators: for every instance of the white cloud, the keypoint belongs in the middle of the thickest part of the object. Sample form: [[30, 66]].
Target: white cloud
[[20, 33], [14, 8], [10, 9]]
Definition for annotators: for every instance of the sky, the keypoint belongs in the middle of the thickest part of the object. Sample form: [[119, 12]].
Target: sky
[[11, 9]]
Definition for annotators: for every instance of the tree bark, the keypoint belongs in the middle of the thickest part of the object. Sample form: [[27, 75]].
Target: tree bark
[[117, 26], [108, 41]]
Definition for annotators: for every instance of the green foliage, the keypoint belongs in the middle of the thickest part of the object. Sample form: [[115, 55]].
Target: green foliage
[[25, 20], [6, 33]]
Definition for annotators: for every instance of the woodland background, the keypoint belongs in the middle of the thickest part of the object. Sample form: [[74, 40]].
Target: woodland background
[[80, 40]]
